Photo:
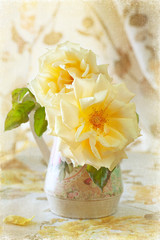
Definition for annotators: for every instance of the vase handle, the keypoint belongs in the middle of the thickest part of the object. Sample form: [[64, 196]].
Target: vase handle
[[39, 140]]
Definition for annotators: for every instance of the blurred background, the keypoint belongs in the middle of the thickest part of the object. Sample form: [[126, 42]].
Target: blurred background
[[124, 34]]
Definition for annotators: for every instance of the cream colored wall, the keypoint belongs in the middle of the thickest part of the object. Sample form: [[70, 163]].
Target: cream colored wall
[[124, 34]]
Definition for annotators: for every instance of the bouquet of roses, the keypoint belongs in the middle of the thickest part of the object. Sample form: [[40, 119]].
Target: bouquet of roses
[[74, 98]]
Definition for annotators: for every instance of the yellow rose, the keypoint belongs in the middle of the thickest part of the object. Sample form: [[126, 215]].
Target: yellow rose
[[59, 67], [95, 121]]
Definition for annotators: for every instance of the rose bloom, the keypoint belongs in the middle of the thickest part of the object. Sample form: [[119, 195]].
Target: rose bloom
[[58, 69], [94, 122]]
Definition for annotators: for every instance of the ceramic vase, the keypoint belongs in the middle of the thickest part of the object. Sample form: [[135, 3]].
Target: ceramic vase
[[72, 193]]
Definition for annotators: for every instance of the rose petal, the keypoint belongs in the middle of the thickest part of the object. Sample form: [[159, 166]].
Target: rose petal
[[91, 59], [86, 102], [83, 154], [70, 114], [63, 131], [102, 84], [109, 141], [117, 135], [82, 134], [104, 70], [86, 71], [110, 160], [84, 87], [92, 142], [126, 111], [17, 220], [114, 106], [65, 149], [126, 126], [123, 94]]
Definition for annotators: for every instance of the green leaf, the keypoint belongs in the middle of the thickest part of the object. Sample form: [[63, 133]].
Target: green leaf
[[137, 117], [20, 95], [100, 176], [65, 168], [23, 102], [69, 168], [40, 124], [18, 115]]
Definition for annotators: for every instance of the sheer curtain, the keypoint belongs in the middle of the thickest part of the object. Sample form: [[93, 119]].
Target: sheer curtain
[[124, 34]]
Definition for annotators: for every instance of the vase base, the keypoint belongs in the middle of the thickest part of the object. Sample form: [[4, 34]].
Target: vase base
[[86, 209]]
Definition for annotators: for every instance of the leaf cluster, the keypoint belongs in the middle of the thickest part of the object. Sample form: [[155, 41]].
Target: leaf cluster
[[23, 102]]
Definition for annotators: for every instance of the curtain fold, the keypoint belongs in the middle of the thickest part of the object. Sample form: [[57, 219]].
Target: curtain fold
[[124, 34]]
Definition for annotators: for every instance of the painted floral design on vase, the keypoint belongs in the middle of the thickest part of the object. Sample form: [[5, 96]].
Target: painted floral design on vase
[[72, 193]]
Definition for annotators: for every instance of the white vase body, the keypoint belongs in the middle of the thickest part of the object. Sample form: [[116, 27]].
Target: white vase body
[[74, 195]]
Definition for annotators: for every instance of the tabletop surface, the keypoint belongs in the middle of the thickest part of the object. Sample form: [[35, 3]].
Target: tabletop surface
[[22, 194]]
